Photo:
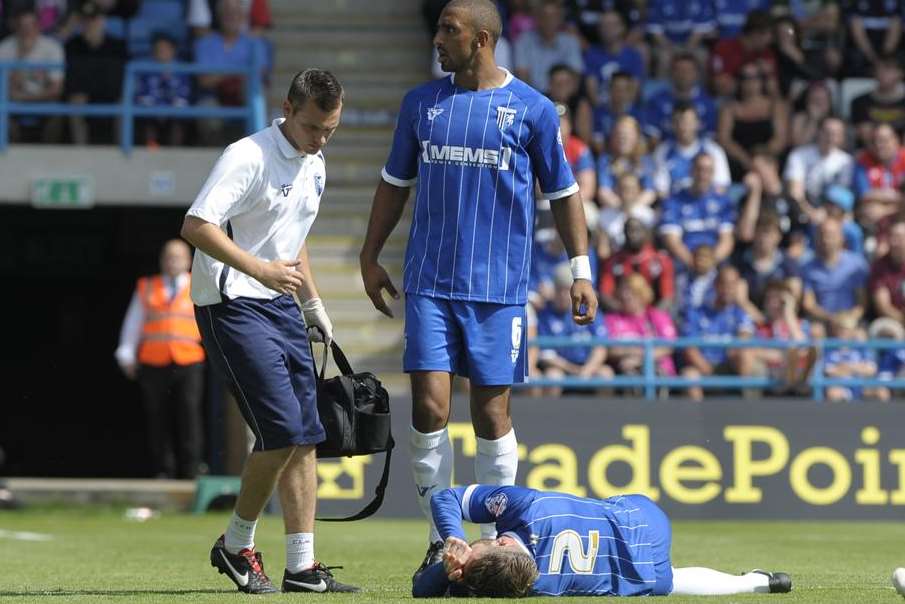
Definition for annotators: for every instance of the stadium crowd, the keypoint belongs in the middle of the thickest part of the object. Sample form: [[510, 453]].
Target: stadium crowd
[[94, 39], [743, 172]]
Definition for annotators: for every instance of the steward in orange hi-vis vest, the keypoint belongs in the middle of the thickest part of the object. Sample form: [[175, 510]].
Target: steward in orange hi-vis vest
[[169, 334]]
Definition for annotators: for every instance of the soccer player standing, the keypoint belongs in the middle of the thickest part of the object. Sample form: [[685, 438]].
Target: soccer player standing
[[249, 223], [475, 142]]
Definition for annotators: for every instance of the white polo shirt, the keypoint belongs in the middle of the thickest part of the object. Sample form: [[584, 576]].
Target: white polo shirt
[[265, 195]]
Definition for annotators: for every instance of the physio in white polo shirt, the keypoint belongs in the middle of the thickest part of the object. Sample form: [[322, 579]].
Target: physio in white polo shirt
[[249, 223]]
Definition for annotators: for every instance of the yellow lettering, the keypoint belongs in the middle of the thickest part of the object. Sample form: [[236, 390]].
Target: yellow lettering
[[870, 493], [329, 473], [637, 456], [801, 485], [897, 458], [706, 468], [559, 476], [464, 432], [745, 468]]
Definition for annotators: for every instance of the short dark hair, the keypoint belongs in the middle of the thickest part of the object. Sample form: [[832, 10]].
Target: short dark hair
[[501, 574], [319, 85], [484, 15], [757, 21], [561, 67], [622, 75], [684, 55], [683, 106]]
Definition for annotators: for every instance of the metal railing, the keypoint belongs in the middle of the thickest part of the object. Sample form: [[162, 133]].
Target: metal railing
[[253, 112], [650, 381]]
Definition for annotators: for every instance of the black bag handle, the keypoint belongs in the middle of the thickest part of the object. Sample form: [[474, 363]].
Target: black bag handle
[[345, 368]]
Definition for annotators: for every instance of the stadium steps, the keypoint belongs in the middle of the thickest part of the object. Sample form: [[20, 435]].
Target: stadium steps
[[378, 49]]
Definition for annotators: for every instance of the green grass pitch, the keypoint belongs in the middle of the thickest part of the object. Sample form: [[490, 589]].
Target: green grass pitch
[[99, 556]]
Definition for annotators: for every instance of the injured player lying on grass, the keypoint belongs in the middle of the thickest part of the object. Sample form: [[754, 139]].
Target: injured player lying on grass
[[556, 544]]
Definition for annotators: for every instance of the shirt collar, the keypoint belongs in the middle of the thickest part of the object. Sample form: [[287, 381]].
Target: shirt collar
[[506, 81], [518, 540], [286, 148]]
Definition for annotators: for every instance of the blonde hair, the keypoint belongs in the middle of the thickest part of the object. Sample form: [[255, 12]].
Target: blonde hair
[[501, 574], [639, 287], [640, 149]]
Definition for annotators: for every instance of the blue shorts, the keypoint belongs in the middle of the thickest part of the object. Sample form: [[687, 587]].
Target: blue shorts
[[481, 341], [260, 347], [659, 530]]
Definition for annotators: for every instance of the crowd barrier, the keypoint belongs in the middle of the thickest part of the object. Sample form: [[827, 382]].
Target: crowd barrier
[[650, 382], [253, 112]]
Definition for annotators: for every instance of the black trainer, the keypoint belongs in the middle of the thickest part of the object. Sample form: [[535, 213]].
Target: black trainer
[[318, 579], [780, 583], [246, 569], [434, 554]]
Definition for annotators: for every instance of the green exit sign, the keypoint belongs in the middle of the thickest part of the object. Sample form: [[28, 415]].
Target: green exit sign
[[63, 192]]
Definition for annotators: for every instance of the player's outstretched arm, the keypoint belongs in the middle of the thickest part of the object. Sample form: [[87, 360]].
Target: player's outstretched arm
[[386, 211], [568, 214], [278, 275]]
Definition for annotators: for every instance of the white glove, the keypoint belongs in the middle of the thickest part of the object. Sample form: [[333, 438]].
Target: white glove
[[316, 316]]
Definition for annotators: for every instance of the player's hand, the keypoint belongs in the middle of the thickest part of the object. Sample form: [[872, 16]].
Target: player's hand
[[316, 316], [130, 370], [456, 554], [376, 279], [584, 302], [280, 275]]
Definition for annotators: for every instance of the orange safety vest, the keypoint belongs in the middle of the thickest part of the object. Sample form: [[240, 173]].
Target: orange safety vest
[[169, 334]]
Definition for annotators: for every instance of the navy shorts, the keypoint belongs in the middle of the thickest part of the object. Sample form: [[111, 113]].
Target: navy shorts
[[261, 349], [659, 530], [479, 340]]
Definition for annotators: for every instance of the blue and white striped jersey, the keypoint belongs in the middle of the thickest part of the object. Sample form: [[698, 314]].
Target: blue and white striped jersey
[[475, 156], [582, 546]]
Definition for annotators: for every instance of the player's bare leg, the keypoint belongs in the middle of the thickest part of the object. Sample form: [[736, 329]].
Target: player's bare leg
[[496, 460], [234, 554], [429, 447], [297, 488]]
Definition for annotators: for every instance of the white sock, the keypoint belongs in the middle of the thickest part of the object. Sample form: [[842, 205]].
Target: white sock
[[697, 581], [431, 459], [299, 551], [496, 463], [240, 534]]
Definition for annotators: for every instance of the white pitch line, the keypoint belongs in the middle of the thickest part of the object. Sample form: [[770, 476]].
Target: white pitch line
[[25, 536]]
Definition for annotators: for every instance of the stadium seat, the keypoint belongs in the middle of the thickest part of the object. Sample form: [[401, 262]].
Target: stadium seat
[[209, 488], [116, 27], [851, 89], [162, 10]]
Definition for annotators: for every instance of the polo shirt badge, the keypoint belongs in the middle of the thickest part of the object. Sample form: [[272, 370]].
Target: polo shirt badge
[[319, 183], [284, 189]]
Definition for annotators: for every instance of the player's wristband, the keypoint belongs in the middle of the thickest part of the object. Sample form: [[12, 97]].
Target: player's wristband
[[581, 267]]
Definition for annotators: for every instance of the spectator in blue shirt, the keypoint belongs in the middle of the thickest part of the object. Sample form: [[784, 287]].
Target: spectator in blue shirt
[[602, 60], [835, 279], [675, 24], [673, 158], [731, 14], [621, 101], [685, 78], [627, 153], [839, 203], [698, 216], [724, 319], [228, 47], [891, 363], [555, 319], [695, 286], [849, 362], [163, 89]]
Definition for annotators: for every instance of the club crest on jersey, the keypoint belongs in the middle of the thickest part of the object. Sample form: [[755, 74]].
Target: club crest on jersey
[[433, 112], [284, 189], [496, 504], [505, 117], [319, 183]]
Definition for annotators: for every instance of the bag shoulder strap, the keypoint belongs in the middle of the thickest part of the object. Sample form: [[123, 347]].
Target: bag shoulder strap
[[339, 357], [379, 492]]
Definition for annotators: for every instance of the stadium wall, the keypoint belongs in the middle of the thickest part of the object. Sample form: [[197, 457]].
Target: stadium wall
[[769, 459], [169, 177]]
